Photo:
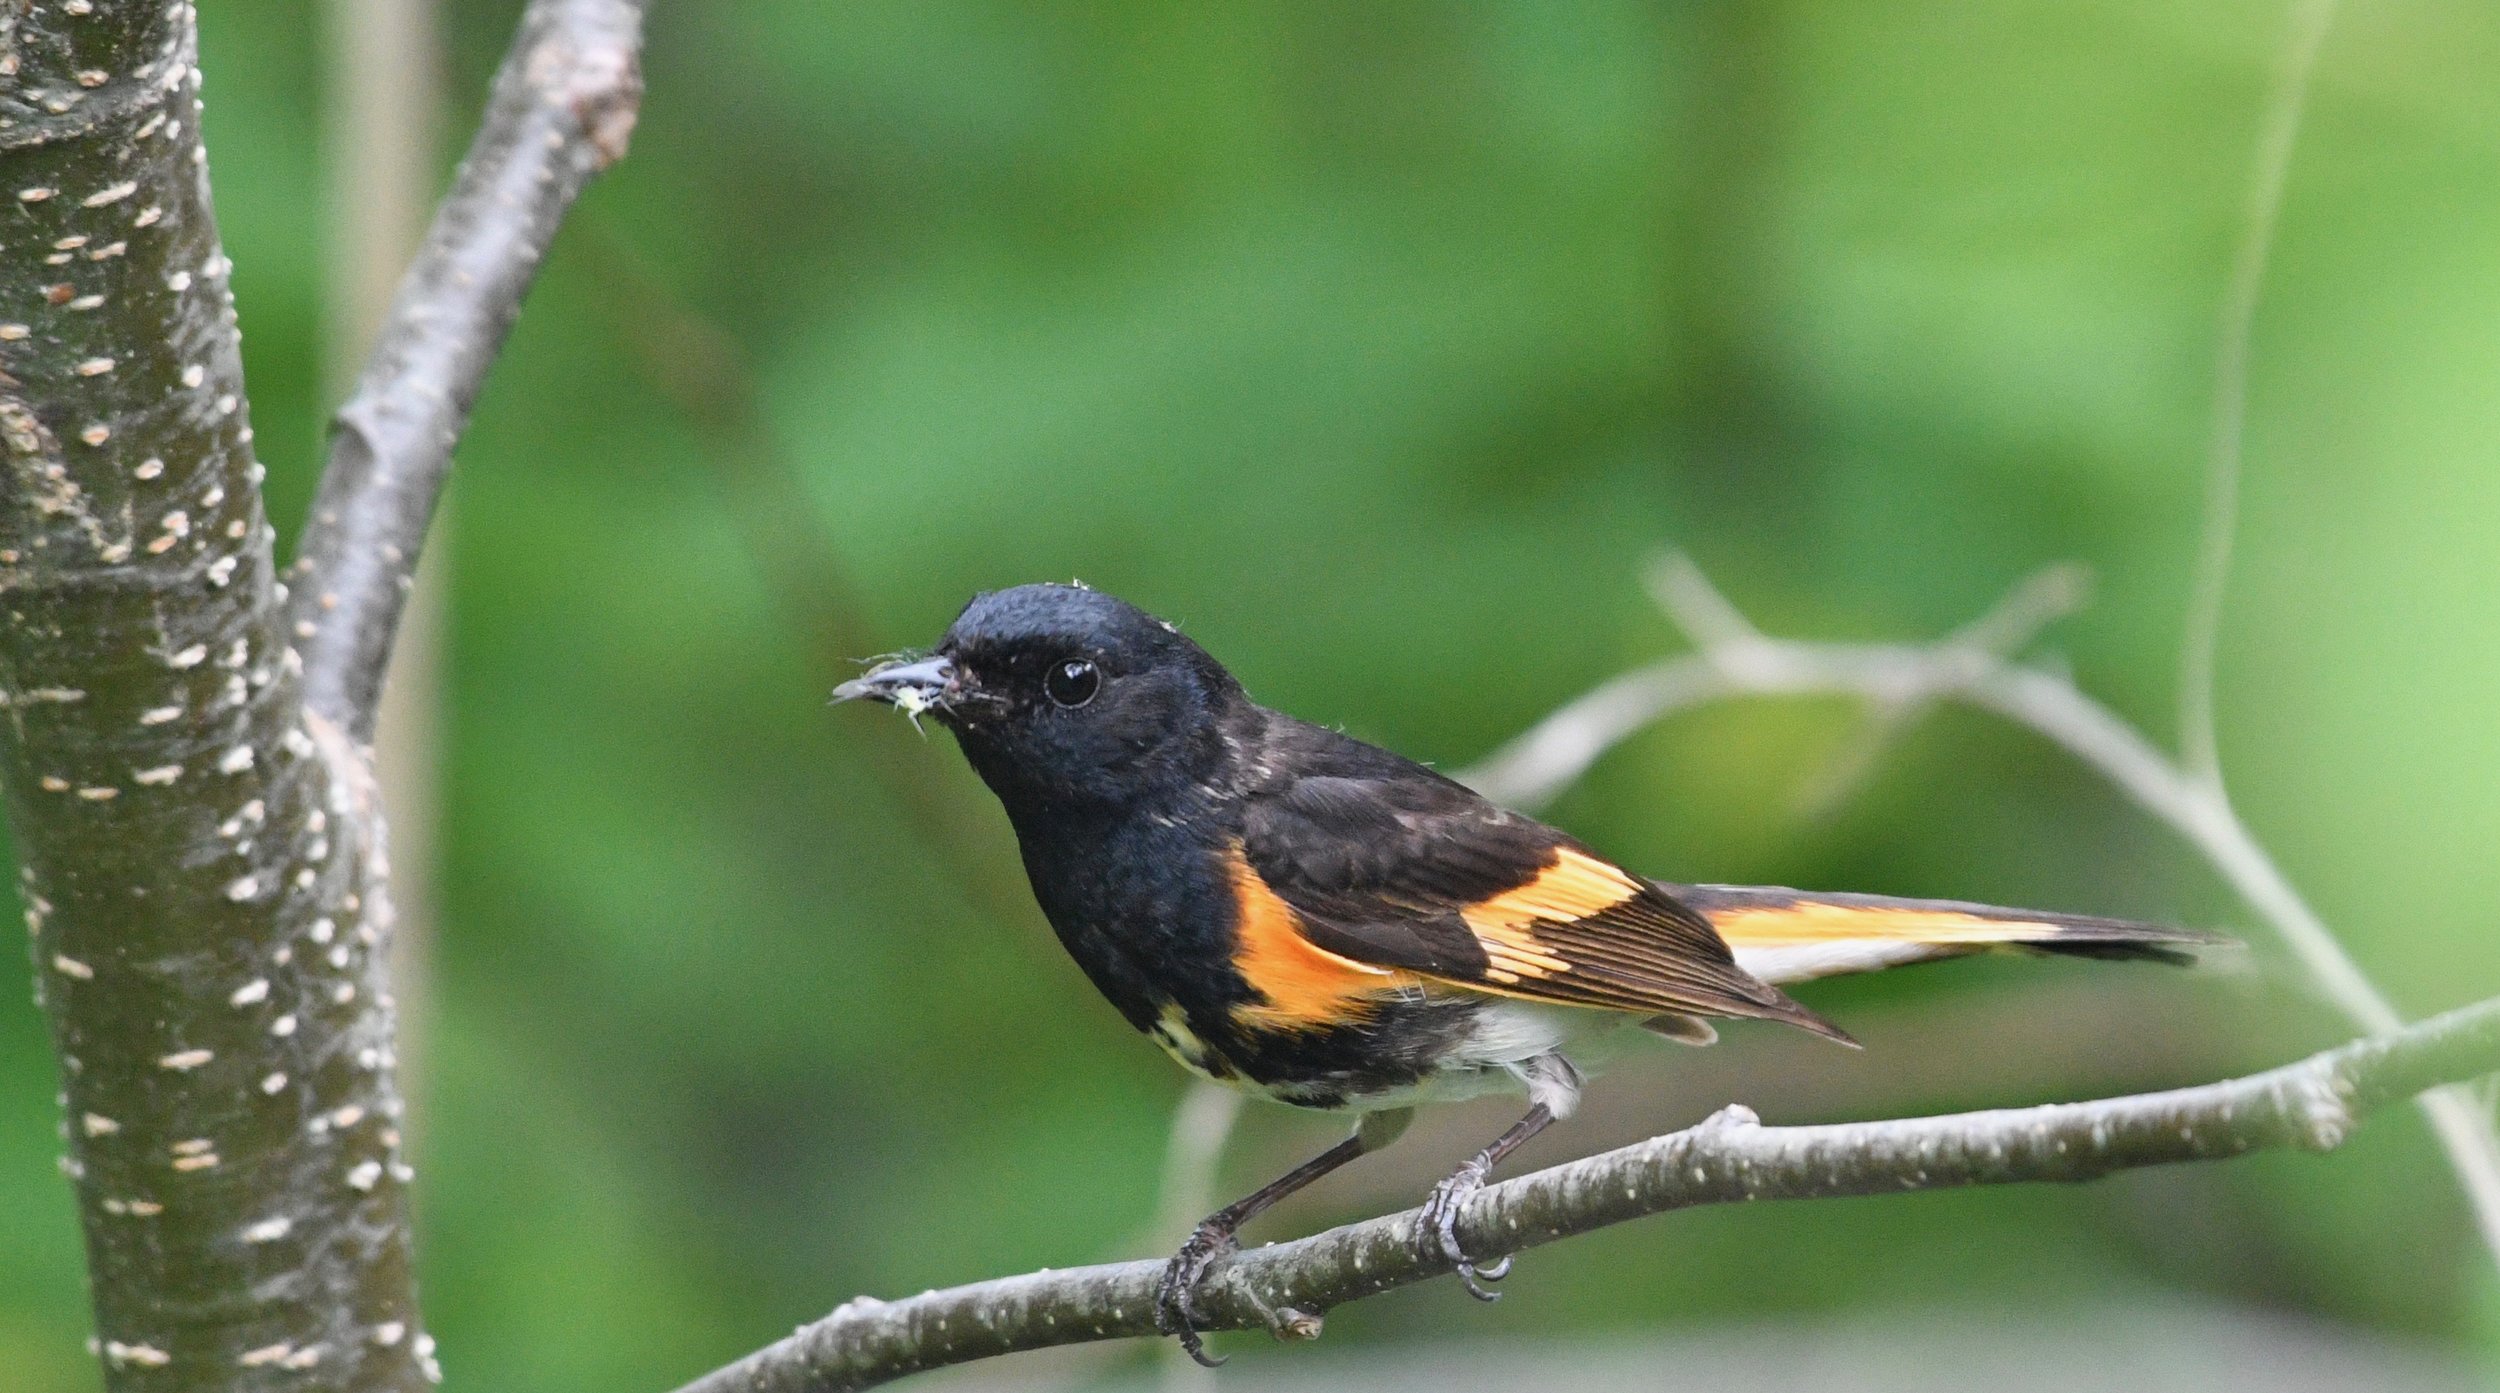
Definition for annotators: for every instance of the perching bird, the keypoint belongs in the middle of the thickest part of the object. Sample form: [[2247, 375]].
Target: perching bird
[[1315, 920]]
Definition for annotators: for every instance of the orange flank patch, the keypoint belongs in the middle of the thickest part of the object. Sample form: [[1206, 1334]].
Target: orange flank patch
[[1576, 886], [1305, 986], [1805, 923]]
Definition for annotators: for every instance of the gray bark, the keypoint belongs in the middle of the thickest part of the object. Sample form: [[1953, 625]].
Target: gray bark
[[1730, 1158], [201, 853], [563, 108], [199, 862]]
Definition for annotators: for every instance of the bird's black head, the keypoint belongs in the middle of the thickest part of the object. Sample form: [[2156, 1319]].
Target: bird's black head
[[1066, 699]]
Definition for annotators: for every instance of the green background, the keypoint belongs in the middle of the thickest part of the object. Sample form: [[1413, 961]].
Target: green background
[[1383, 346]]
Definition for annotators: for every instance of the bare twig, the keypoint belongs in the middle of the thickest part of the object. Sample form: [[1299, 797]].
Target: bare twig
[[2041, 599], [2278, 131], [2313, 1104], [563, 107], [1738, 660]]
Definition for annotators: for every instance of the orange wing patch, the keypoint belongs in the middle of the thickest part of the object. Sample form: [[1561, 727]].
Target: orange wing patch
[[1806, 922], [1576, 886], [1305, 986]]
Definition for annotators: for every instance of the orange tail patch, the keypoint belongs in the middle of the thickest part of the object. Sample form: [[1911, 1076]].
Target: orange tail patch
[[1808, 922], [1784, 936]]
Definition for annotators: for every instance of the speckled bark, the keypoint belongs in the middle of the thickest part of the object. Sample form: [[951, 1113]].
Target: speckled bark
[[563, 107], [200, 864], [201, 844], [1731, 1158]]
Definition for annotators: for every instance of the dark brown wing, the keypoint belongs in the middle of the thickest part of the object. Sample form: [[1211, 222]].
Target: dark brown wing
[[1385, 862]]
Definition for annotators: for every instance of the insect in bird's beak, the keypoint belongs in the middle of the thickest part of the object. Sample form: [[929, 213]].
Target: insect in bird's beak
[[910, 686]]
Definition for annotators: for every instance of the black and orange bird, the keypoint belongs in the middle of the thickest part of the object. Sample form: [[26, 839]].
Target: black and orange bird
[[1290, 911]]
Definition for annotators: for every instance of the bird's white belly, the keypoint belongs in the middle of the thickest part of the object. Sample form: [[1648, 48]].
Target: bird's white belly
[[1507, 1034]]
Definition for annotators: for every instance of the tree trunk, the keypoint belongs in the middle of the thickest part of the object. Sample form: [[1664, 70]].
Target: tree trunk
[[185, 756], [201, 865]]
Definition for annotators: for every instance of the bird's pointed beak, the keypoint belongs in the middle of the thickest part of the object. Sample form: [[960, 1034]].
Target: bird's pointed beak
[[910, 686]]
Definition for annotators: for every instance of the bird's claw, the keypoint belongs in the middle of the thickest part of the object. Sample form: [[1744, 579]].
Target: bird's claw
[[1438, 1234], [1176, 1296]]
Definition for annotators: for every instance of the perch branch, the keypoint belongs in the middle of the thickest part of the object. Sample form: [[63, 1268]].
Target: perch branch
[[563, 107], [2313, 1104], [1735, 660]]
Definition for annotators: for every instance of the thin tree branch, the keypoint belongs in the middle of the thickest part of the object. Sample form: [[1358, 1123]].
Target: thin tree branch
[[2313, 1104], [200, 858], [383, 89], [2041, 599], [563, 107], [2278, 132], [1738, 660]]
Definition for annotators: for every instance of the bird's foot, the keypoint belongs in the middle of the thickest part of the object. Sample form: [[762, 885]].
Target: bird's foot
[[1437, 1235], [1176, 1297]]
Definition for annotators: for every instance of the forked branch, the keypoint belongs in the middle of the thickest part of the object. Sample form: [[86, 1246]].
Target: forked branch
[[1735, 660]]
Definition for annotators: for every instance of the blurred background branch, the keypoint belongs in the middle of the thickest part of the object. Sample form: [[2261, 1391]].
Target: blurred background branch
[[689, 361], [2463, 1120], [1200, 1126], [2278, 134], [1731, 1158], [1733, 660], [2188, 793]]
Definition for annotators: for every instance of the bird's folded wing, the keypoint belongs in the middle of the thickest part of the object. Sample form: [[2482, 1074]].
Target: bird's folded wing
[[1417, 874]]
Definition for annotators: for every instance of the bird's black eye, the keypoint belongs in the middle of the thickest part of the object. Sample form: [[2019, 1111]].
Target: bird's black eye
[[1072, 683]]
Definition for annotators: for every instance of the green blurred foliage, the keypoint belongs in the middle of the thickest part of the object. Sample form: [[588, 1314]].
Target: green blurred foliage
[[1381, 346]]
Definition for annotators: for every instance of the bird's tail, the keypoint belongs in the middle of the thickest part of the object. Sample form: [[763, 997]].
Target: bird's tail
[[1785, 936]]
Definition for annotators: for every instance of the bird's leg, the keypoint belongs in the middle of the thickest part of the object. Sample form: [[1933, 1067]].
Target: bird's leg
[[1553, 1088], [1215, 1238], [1438, 1233]]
